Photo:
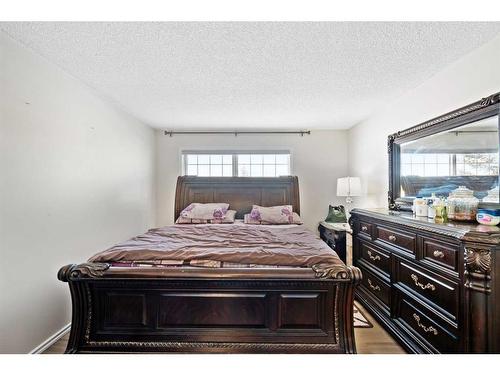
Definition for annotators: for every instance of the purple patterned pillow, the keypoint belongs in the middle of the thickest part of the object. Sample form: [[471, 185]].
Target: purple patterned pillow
[[205, 211], [248, 219], [228, 219], [274, 215]]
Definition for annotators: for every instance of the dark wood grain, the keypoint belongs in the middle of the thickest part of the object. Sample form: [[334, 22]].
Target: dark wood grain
[[240, 192], [203, 310], [481, 109], [450, 282]]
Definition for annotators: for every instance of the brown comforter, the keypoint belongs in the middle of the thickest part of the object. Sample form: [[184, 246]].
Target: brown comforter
[[246, 244]]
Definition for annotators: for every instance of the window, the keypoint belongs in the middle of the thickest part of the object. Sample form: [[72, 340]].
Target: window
[[432, 165], [236, 163]]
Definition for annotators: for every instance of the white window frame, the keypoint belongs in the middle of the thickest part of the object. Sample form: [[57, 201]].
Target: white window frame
[[234, 154]]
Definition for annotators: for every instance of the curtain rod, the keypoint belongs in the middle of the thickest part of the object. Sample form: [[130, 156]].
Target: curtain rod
[[237, 132]]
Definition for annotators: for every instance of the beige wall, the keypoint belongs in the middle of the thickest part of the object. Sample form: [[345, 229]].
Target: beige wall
[[77, 175], [318, 159], [474, 76]]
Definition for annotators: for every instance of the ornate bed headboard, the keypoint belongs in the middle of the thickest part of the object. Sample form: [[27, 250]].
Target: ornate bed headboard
[[240, 192]]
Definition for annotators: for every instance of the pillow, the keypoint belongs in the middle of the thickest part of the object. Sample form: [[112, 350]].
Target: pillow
[[205, 211], [228, 219], [272, 215]]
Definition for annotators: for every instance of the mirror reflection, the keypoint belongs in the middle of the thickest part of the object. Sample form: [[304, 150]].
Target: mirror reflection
[[440, 163]]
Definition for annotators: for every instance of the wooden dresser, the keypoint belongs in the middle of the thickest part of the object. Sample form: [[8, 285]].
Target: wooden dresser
[[434, 287]]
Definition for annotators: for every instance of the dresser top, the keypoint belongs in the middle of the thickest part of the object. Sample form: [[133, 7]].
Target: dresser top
[[468, 231]]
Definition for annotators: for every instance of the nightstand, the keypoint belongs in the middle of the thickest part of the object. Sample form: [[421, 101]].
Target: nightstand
[[334, 234]]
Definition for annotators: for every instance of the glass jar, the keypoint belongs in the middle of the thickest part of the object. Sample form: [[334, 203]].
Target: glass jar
[[461, 204]]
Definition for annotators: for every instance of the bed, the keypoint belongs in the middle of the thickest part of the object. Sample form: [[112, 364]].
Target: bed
[[290, 298]]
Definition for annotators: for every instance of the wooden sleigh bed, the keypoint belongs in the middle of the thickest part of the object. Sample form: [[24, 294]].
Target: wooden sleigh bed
[[212, 310]]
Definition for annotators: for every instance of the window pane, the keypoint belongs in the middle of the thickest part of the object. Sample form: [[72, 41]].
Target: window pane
[[443, 170], [417, 158], [216, 170], [244, 170], [466, 169], [282, 159], [215, 159], [227, 170], [417, 169], [192, 170], [243, 159], [443, 158], [203, 159], [269, 159], [430, 170], [406, 169], [192, 159], [256, 170], [204, 170], [282, 170], [430, 158], [269, 170], [405, 158], [218, 164], [256, 159]]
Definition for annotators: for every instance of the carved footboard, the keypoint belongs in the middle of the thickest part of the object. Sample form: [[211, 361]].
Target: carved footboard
[[212, 310]]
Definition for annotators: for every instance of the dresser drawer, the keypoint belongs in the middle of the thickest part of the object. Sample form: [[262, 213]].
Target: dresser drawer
[[440, 253], [365, 228], [429, 287], [376, 286], [375, 257], [425, 325], [405, 241]]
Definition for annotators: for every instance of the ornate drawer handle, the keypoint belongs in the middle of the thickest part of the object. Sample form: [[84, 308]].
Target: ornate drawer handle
[[374, 287], [392, 238], [364, 228], [426, 329], [376, 257], [422, 286], [438, 254]]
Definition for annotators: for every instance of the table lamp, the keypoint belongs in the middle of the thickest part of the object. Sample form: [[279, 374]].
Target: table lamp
[[348, 187]]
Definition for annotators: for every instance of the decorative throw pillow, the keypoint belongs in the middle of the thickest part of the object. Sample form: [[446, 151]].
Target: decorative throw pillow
[[247, 219], [205, 211], [228, 219], [273, 215], [336, 214]]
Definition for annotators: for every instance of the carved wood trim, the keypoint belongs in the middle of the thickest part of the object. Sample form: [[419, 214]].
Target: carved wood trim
[[84, 270], [477, 268], [213, 345], [482, 103], [338, 272], [449, 120]]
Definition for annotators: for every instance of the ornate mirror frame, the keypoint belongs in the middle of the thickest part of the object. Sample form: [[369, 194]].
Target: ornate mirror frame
[[484, 108]]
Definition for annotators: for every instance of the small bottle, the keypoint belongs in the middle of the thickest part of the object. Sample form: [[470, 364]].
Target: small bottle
[[420, 207], [431, 210]]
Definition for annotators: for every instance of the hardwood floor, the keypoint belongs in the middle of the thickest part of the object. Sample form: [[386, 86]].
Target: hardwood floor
[[375, 340], [368, 340]]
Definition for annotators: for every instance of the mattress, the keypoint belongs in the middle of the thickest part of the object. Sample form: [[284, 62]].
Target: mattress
[[235, 245]]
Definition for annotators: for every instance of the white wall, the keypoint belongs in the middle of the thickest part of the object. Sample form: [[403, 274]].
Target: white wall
[[317, 159], [472, 77], [77, 175]]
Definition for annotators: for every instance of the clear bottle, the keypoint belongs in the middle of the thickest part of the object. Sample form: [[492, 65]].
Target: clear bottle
[[431, 210]]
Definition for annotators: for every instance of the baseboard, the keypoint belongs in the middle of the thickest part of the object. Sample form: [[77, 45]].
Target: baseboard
[[51, 340]]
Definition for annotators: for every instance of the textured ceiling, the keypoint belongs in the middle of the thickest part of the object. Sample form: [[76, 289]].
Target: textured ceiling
[[252, 75]]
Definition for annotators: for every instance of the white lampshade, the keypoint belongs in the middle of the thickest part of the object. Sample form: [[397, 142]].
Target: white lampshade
[[348, 187]]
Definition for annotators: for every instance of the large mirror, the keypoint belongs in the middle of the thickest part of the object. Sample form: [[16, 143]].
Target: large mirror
[[460, 148]]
